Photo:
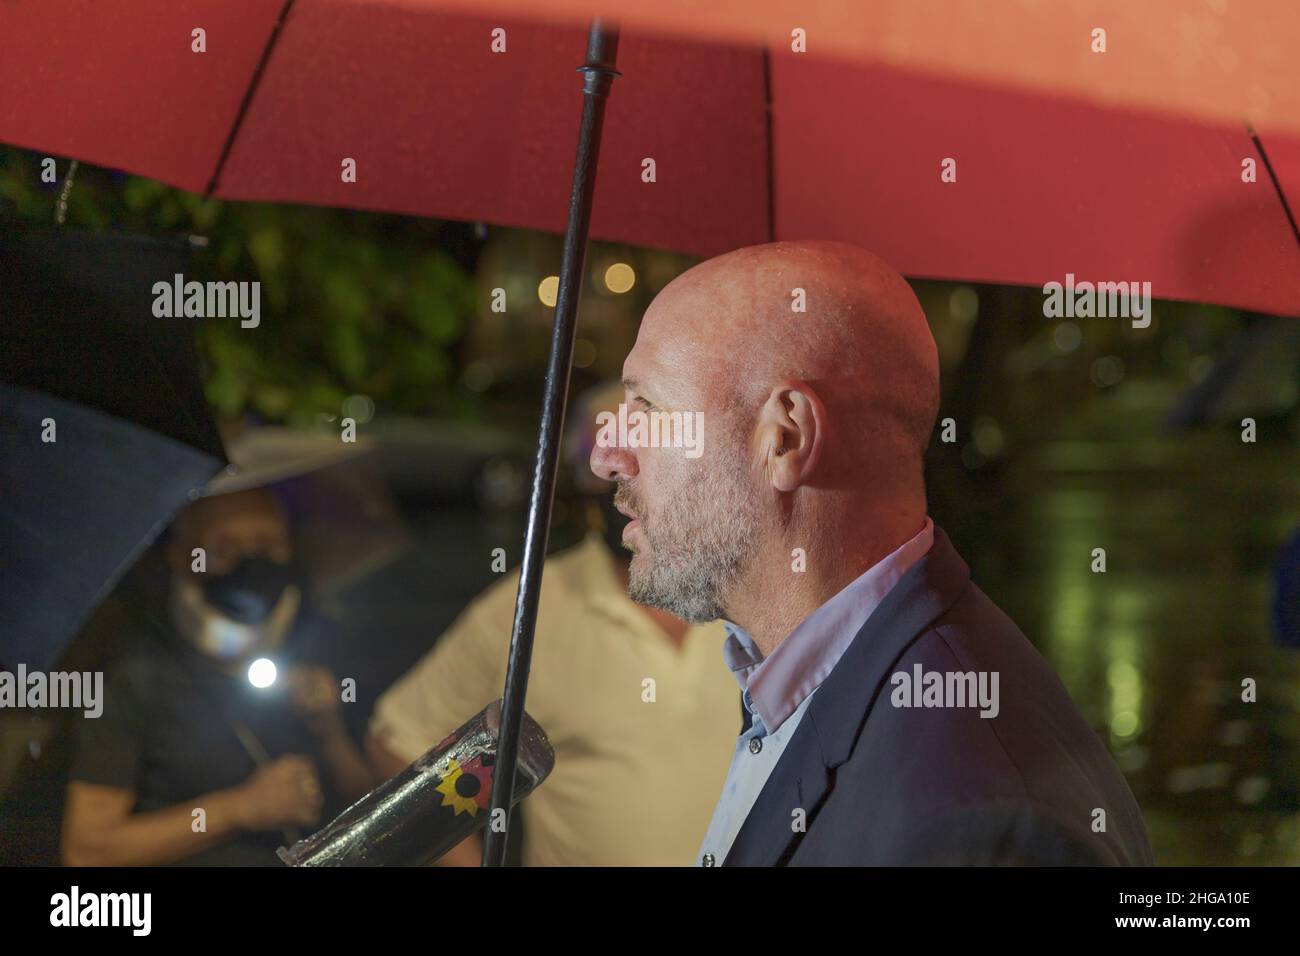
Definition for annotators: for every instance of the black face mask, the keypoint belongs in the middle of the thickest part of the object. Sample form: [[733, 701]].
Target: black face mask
[[249, 591], [614, 522]]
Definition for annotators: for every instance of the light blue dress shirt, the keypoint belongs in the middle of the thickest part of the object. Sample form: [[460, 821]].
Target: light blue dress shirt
[[777, 690]]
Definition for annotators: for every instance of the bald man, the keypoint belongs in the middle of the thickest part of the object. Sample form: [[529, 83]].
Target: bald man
[[891, 713]]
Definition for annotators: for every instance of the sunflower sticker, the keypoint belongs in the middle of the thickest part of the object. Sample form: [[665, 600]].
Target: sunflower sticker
[[466, 787]]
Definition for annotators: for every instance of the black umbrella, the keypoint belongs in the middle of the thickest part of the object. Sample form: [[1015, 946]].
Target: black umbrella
[[104, 432]]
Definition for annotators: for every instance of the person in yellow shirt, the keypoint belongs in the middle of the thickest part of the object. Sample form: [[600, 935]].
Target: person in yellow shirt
[[639, 706]]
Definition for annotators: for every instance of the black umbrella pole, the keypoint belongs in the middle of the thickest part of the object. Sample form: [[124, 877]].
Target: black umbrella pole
[[598, 75]]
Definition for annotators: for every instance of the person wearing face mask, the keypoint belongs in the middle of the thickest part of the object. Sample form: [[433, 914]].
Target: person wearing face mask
[[201, 756]]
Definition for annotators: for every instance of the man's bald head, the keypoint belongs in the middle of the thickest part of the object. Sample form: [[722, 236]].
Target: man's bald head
[[862, 342], [815, 377]]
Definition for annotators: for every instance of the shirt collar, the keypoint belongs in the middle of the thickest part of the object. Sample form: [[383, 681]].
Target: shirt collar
[[775, 686]]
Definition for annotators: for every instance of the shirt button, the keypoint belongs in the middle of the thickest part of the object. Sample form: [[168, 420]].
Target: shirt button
[[708, 860], [755, 745]]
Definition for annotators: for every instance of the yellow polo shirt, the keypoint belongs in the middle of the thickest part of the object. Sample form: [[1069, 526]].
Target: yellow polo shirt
[[635, 780]]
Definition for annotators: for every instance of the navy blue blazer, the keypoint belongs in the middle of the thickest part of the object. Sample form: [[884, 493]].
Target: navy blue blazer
[[865, 781]]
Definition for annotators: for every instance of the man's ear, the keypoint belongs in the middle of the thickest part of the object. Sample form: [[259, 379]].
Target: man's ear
[[791, 428]]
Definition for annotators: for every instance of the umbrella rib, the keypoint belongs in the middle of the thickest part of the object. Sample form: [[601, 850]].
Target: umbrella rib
[[248, 99], [1277, 186]]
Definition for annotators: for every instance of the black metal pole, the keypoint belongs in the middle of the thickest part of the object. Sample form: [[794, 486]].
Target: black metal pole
[[598, 76]]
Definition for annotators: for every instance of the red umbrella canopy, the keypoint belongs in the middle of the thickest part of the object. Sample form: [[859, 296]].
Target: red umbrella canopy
[[1009, 175]]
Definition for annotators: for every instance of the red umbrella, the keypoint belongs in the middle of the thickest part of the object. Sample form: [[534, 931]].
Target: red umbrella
[[1118, 166], [982, 170]]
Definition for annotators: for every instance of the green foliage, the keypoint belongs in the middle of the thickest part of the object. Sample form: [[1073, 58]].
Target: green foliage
[[351, 302]]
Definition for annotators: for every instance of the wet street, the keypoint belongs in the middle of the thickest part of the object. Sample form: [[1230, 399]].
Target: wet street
[[1158, 650]]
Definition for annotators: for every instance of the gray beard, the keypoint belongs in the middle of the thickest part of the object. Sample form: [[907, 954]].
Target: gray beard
[[695, 594], [702, 544]]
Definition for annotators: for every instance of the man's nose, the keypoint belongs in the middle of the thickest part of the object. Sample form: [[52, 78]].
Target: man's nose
[[612, 463]]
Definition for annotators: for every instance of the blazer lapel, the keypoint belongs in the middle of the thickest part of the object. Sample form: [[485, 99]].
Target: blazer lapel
[[799, 781], [805, 773]]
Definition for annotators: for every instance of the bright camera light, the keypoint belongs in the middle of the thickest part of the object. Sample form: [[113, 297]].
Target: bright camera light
[[261, 673]]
